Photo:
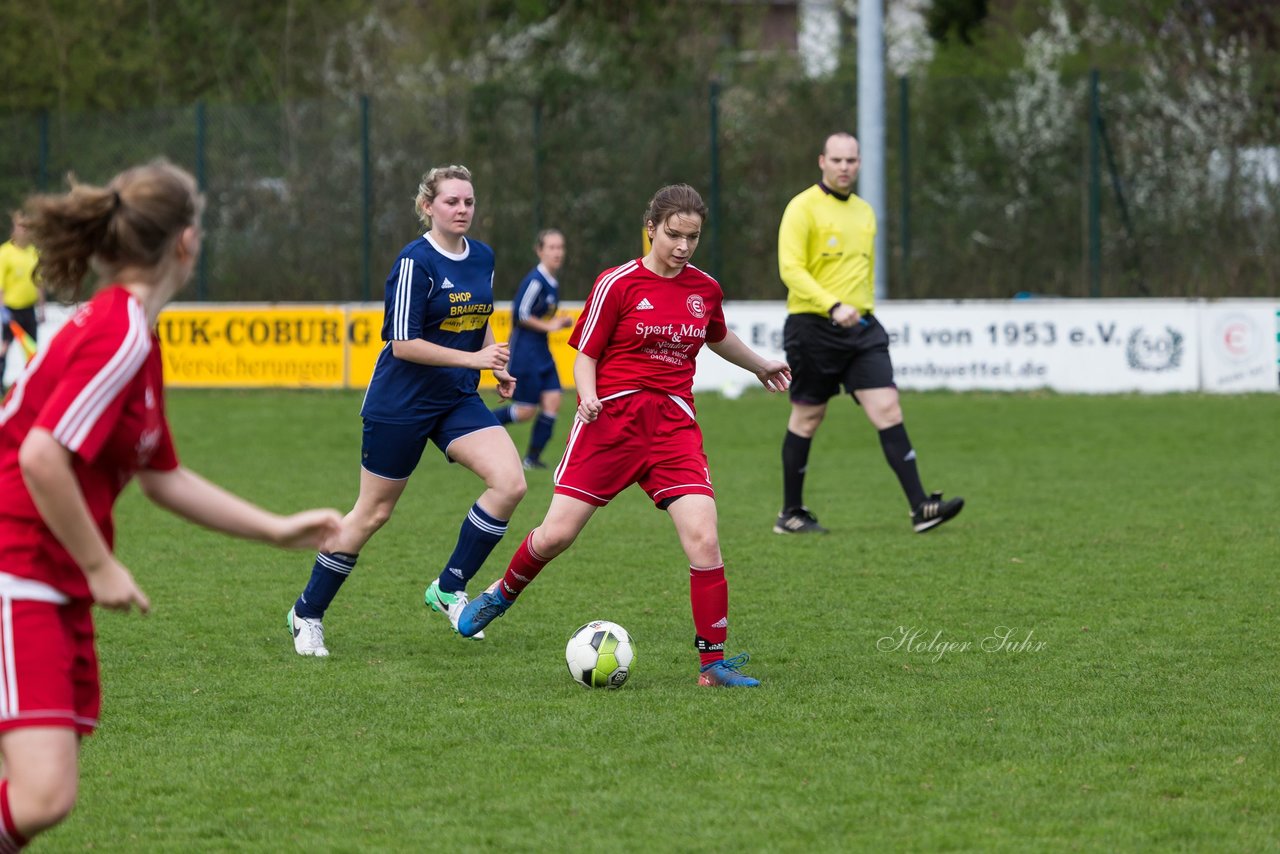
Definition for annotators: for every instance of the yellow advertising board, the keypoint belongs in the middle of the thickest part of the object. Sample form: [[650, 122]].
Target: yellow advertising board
[[296, 346], [274, 346]]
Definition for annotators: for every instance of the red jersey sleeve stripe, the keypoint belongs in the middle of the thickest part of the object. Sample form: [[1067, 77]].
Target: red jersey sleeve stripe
[[83, 413], [597, 300]]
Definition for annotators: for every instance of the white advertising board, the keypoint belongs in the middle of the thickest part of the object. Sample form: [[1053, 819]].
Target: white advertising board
[[1240, 346], [1092, 346]]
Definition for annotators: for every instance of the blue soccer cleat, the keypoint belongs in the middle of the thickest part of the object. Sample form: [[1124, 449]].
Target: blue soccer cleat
[[483, 610], [725, 674]]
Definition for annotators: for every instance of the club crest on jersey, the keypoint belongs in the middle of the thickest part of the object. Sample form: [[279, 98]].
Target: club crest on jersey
[[697, 307], [644, 305]]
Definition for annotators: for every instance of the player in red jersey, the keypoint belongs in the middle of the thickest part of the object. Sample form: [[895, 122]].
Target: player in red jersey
[[637, 339], [86, 416]]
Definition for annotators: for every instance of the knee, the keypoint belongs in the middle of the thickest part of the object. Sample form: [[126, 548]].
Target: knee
[[806, 423], [551, 540], [365, 522], [41, 807], [886, 414], [703, 548], [516, 490]]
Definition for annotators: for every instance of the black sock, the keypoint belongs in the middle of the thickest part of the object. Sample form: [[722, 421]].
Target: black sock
[[902, 459], [795, 460]]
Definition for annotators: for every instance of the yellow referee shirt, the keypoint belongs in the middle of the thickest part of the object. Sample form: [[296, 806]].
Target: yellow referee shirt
[[17, 275], [826, 252]]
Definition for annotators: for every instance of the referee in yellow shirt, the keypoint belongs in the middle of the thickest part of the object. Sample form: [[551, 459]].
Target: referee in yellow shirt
[[826, 257], [23, 298]]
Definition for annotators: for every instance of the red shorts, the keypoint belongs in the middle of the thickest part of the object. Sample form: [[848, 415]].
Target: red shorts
[[48, 665], [642, 437]]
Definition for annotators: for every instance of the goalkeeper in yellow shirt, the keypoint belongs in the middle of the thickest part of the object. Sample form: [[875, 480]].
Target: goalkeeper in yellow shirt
[[826, 257], [22, 295]]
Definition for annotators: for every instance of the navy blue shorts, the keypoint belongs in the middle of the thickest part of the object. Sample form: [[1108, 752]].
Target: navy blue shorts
[[393, 450], [532, 381], [824, 356]]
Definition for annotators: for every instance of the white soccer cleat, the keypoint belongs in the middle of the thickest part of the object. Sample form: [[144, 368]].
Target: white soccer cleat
[[449, 604], [308, 635]]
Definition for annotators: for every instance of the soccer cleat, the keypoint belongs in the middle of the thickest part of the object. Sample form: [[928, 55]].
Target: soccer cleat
[[726, 673], [797, 520], [449, 604], [534, 465], [483, 610], [933, 511], [308, 635]]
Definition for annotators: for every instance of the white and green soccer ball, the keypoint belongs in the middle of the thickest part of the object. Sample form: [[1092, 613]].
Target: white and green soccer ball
[[600, 655]]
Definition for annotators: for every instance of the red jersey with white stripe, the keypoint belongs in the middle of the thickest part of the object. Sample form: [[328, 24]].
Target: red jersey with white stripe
[[98, 388], [645, 330]]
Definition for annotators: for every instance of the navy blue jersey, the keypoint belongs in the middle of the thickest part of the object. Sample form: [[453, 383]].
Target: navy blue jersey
[[439, 297], [537, 297]]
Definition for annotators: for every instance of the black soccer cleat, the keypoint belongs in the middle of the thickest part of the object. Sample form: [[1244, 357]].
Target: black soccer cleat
[[797, 520], [933, 511]]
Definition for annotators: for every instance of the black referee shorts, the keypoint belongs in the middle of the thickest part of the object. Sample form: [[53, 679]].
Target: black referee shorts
[[26, 318], [824, 356]]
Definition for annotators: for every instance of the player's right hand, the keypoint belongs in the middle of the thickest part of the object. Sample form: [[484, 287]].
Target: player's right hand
[[113, 587], [589, 409], [845, 315], [493, 358], [309, 529]]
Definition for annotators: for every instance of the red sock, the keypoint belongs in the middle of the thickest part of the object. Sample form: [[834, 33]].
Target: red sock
[[10, 838], [524, 568], [709, 595]]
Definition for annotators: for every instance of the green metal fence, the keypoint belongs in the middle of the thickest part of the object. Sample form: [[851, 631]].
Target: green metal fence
[[1085, 186]]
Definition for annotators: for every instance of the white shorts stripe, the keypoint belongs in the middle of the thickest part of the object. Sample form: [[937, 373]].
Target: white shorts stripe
[[703, 486], [8, 669], [584, 492], [574, 432]]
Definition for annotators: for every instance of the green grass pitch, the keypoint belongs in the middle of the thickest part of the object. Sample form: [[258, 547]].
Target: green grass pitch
[[1084, 660]]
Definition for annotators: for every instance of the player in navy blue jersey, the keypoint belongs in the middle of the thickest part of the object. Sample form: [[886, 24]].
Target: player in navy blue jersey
[[533, 316], [439, 296]]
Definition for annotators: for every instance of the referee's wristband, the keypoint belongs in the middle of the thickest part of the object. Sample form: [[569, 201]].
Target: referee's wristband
[[831, 312]]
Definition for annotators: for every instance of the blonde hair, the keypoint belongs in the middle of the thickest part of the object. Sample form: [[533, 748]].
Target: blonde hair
[[131, 222], [430, 186]]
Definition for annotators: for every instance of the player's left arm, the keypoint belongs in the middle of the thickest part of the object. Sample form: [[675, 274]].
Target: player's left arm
[[185, 493], [773, 375]]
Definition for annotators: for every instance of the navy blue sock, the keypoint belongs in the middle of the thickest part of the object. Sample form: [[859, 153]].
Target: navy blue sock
[[541, 434], [902, 459], [480, 532], [505, 414], [327, 575]]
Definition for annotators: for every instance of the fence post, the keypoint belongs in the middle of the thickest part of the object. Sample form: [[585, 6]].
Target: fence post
[[1095, 190], [42, 174], [714, 103], [537, 164], [366, 202], [904, 177], [202, 276]]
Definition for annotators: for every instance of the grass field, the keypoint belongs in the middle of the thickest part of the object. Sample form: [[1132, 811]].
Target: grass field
[[1127, 546]]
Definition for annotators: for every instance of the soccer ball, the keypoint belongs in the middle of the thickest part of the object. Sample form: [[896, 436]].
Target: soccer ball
[[600, 655]]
